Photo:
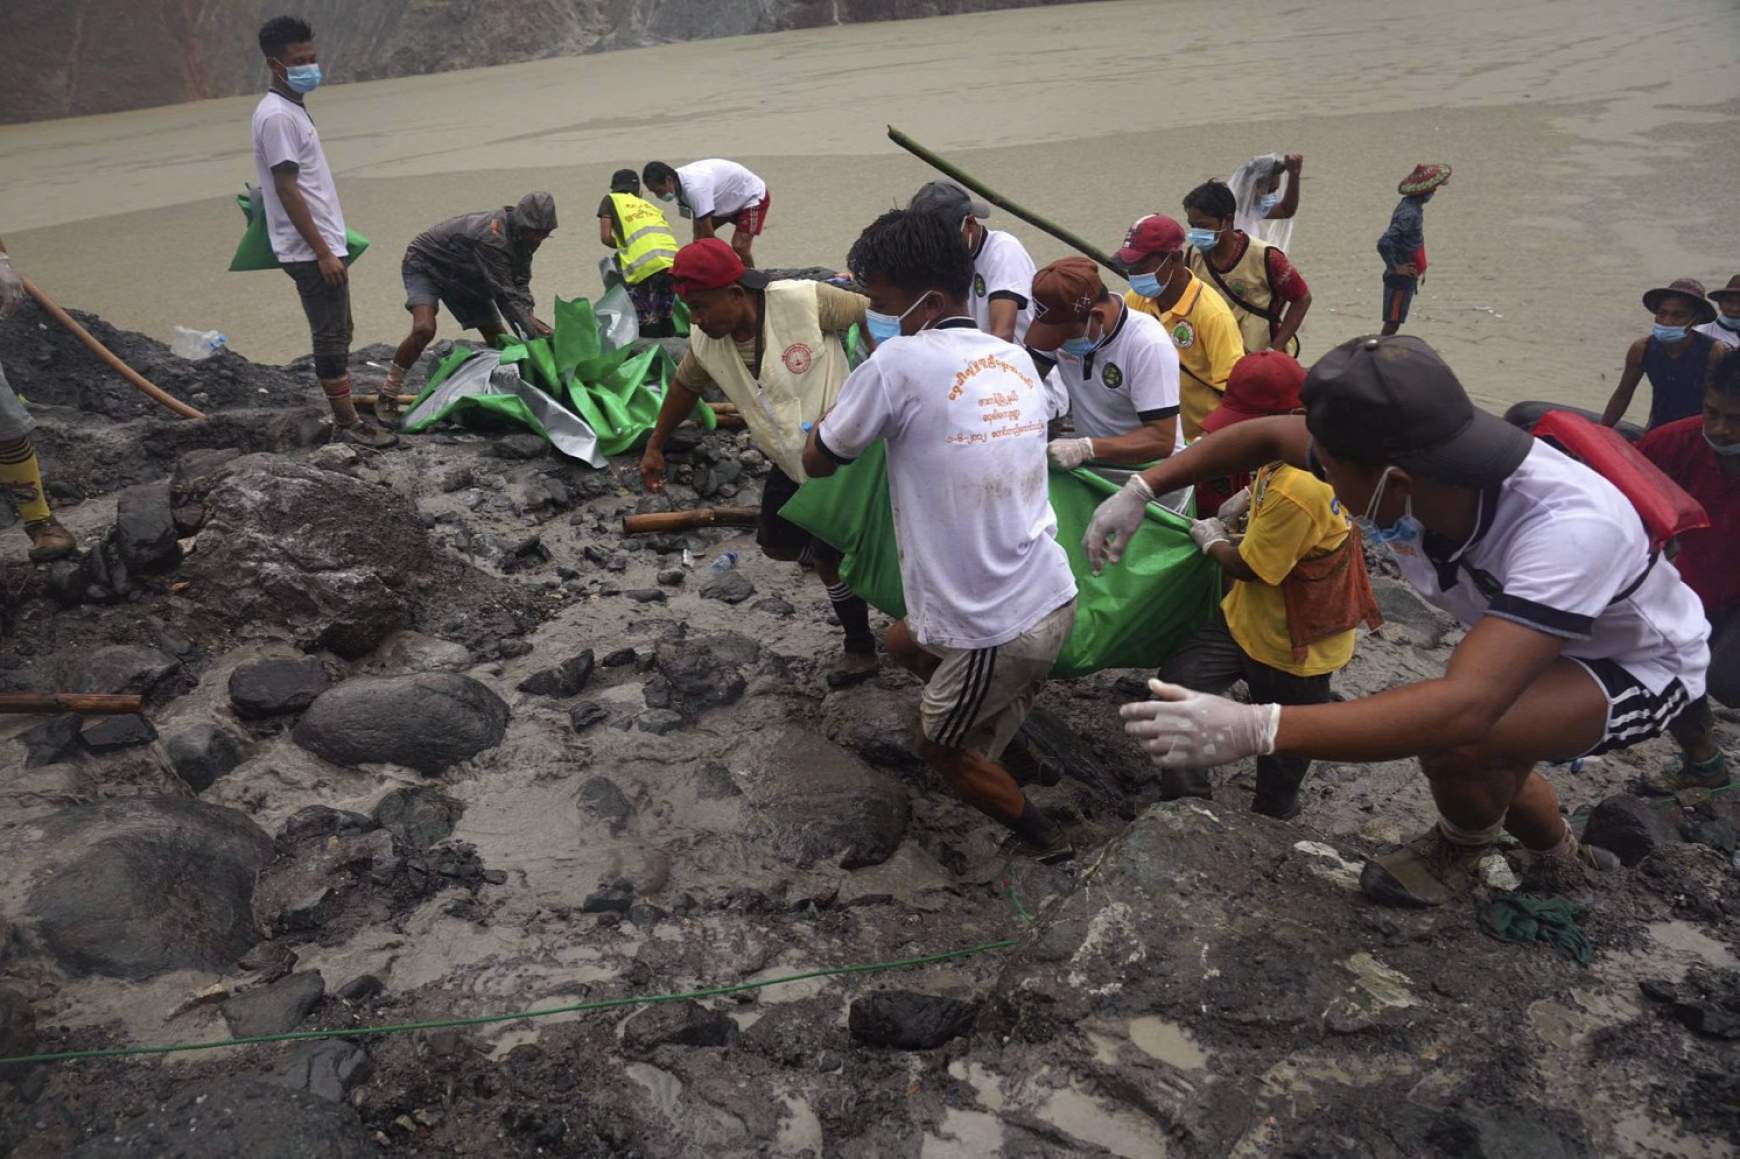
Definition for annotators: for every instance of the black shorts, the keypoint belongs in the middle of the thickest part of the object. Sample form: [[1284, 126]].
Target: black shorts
[[778, 536], [1398, 296], [1634, 713]]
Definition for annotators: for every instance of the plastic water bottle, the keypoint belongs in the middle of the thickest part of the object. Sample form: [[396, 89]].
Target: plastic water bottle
[[725, 562], [196, 345]]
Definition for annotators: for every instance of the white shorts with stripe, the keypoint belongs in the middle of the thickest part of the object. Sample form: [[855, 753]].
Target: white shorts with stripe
[[978, 698], [1634, 713]]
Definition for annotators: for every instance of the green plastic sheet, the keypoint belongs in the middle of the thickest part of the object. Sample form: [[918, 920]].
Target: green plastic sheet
[[1133, 615], [255, 249]]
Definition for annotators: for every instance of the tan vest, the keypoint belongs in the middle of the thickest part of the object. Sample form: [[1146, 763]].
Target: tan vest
[[1249, 279], [802, 370]]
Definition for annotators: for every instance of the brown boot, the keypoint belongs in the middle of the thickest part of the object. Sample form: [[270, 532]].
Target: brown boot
[[49, 540], [365, 434]]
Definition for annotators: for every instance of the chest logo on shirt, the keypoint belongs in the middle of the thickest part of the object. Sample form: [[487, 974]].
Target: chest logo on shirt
[[978, 285], [1184, 335], [1112, 376], [798, 357]]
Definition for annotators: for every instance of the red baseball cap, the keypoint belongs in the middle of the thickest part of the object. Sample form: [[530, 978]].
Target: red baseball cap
[[710, 264], [1154, 234], [1261, 384]]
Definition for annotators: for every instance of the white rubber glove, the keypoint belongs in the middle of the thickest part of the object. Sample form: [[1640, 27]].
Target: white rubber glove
[[11, 288], [1182, 729], [1234, 509], [1115, 521], [1208, 532], [1071, 453]]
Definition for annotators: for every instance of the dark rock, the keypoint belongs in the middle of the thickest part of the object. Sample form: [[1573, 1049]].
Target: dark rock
[[617, 562], [714, 782], [617, 898], [1718, 833], [672, 577], [659, 721], [360, 989], [646, 595], [1481, 1133], [405, 652], [276, 1008], [512, 647], [144, 533], [451, 478], [908, 1020], [275, 686], [774, 606], [272, 960], [618, 658], [603, 799], [17, 1031], [1629, 828], [225, 1116], [732, 588], [685, 1023], [118, 732], [193, 476], [586, 714], [564, 680], [517, 447], [109, 885], [418, 817], [428, 721], [323, 821], [817, 802], [308, 886], [201, 753], [705, 671], [1706, 1003], [51, 740], [123, 668], [329, 1069]]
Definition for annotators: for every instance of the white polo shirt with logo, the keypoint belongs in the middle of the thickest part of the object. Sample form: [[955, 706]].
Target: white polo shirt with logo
[[1130, 379], [963, 415], [1002, 269], [718, 188]]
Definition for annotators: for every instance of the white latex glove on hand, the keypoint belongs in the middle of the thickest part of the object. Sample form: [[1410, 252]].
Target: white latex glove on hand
[[1182, 729], [1115, 521], [1071, 453], [1207, 533], [1234, 509], [11, 288]]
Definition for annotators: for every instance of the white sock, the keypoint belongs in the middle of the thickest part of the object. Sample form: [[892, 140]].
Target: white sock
[[1456, 835]]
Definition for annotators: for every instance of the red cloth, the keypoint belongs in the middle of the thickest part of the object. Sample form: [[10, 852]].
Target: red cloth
[[1420, 261], [1709, 558]]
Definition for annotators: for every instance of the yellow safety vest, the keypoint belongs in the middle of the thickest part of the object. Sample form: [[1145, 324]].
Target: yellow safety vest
[[645, 244]]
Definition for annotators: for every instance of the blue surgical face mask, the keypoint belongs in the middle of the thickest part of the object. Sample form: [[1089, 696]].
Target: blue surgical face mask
[[302, 78], [670, 196], [1269, 201], [1203, 239], [1147, 285], [1668, 333], [1083, 346], [1402, 535], [1728, 323], [882, 327]]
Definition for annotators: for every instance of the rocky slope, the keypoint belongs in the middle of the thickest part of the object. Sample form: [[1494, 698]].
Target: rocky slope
[[105, 56], [426, 738]]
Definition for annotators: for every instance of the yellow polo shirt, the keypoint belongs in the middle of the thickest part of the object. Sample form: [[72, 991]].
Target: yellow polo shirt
[[1209, 343], [1293, 516]]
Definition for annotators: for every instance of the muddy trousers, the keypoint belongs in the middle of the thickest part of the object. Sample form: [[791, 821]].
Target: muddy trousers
[[330, 327], [1212, 661]]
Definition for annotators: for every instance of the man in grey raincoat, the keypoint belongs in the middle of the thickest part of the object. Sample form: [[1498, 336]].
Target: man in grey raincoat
[[479, 265]]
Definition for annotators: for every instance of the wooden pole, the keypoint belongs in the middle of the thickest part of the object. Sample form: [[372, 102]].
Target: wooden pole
[[668, 521], [137, 380], [1001, 202], [92, 703]]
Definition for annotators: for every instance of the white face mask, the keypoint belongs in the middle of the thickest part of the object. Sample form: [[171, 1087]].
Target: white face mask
[[1727, 451]]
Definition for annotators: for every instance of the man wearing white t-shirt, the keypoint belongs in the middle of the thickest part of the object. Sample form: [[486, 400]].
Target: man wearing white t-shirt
[[1001, 300], [303, 220], [1119, 368], [711, 193], [990, 597], [1581, 639]]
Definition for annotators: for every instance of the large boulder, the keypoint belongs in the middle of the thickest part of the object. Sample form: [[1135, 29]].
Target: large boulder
[[121, 668], [427, 721], [277, 685], [216, 1118], [816, 802], [131, 887], [329, 557]]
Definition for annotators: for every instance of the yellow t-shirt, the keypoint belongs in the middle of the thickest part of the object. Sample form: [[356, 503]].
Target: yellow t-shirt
[[1209, 343], [1293, 516]]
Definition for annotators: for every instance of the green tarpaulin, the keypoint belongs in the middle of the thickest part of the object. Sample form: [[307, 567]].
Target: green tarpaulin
[[255, 250], [1133, 615]]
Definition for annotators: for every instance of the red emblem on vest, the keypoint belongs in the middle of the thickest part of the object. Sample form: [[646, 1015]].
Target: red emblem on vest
[[797, 358]]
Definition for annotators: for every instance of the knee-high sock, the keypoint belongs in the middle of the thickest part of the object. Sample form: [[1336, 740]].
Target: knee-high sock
[[338, 397], [21, 475], [854, 616]]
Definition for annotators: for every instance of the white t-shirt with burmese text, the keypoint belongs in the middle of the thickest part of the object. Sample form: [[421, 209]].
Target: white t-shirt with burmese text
[[963, 415], [283, 131]]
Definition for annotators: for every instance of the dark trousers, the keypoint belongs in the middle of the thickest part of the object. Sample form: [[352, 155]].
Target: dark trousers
[[329, 319], [1212, 661]]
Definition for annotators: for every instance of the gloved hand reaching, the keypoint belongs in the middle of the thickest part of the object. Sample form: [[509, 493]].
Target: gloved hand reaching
[[1182, 729], [1208, 532], [1234, 509], [1115, 521], [11, 288], [1071, 453]]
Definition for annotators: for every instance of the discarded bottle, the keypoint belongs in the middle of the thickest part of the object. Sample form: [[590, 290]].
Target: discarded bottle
[[725, 562], [196, 345]]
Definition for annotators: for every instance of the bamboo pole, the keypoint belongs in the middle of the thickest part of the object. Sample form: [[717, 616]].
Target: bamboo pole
[[1037, 222], [667, 521], [139, 381], [91, 703]]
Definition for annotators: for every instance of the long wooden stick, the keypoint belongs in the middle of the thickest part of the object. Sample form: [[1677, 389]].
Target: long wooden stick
[[143, 384], [1037, 222], [665, 521], [86, 702]]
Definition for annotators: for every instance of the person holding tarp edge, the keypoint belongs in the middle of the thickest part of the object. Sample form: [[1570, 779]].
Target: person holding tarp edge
[[1582, 639]]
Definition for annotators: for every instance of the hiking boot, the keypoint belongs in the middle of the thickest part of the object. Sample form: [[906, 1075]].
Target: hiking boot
[[1429, 870], [1684, 774], [851, 668], [1277, 792], [365, 434], [1568, 875], [1054, 849], [1176, 784], [49, 540]]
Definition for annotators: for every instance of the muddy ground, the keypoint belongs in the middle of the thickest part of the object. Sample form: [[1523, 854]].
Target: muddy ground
[[427, 738]]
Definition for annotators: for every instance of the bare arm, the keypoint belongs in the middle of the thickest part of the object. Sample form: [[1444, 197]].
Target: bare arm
[[296, 209], [1232, 563], [1241, 447], [1004, 315], [678, 405], [704, 227], [1290, 200], [606, 233], [1146, 443], [1628, 379], [1291, 319], [817, 464]]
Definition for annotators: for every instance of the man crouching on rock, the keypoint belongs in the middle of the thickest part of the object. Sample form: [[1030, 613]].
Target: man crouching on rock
[[775, 348], [1580, 639], [989, 592]]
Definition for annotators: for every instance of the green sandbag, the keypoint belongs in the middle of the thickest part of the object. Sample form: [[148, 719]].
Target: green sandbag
[[1133, 615], [255, 249]]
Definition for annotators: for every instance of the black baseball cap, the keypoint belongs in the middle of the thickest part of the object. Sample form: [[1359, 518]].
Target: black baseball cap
[[1395, 400], [949, 197], [625, 181]]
